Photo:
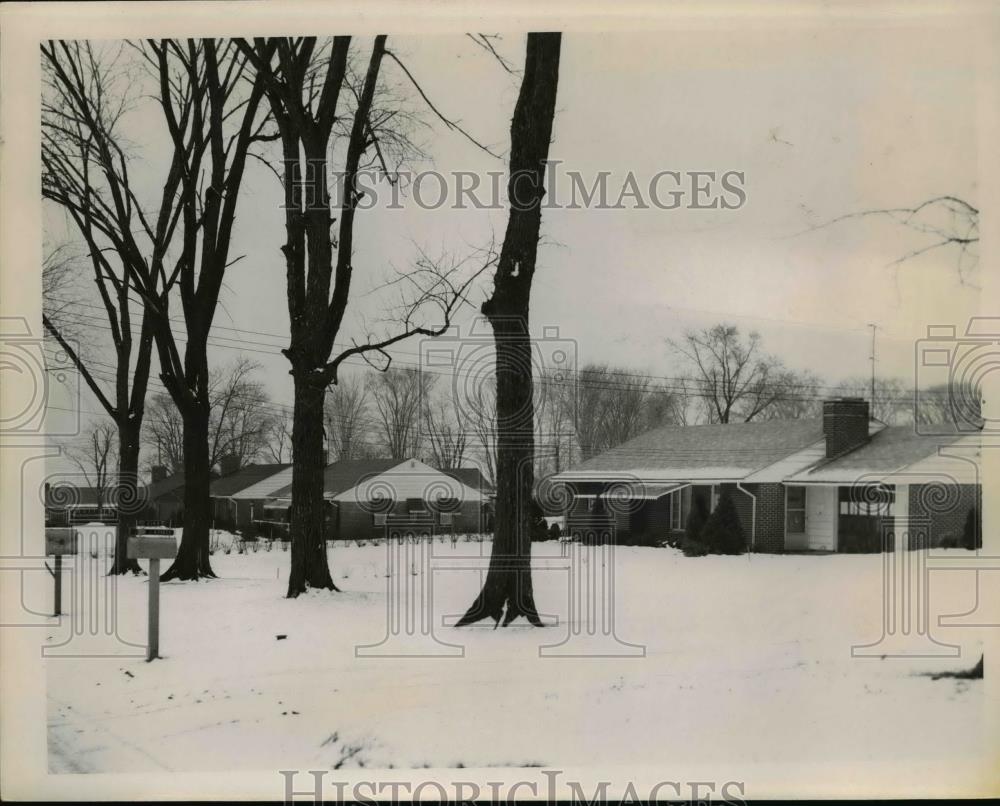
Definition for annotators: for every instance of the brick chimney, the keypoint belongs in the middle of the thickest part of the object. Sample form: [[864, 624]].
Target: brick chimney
[[229, 464], [845, 424], [157, 473]]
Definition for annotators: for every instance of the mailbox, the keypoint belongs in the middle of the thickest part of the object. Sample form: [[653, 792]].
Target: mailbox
[[60, 540], [152, 547]]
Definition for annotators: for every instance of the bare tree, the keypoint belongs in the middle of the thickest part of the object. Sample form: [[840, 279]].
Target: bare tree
[[398, 395], [670, 403], [241, 419], [212, 109], [480, 415], [945, 221], [447, 436], [893, 403], [732, 375], [94, 453], [279, 440], [612, 407], [163, 433], [961, 401], [507, 591], [85, 173], [62, 273], [796, 396], [346, 418], [241, 414], [319, 107]]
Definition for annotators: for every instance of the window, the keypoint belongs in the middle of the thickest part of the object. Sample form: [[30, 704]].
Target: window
[[795, 509], [416, 505], [446, 504], [675, 510], [869, 501]]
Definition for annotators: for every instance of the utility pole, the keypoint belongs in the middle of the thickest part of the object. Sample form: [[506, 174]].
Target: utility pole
[[874, 327]]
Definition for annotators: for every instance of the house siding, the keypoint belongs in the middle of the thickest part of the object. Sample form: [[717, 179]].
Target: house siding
[[770, 536], [356, 521]]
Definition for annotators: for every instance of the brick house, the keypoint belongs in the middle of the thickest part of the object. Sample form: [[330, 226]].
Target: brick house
[[371, 497], [164, 497], [68, 504], [843, 482], [238, 496]]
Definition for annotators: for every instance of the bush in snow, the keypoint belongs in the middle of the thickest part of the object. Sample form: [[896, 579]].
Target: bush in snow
[[691, 543], [723, 533]]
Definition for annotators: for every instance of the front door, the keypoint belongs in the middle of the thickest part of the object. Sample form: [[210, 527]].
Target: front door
[[795, 518], [821, 518]]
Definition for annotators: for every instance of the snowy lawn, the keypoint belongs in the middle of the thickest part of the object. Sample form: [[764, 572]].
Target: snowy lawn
[[747, 659]]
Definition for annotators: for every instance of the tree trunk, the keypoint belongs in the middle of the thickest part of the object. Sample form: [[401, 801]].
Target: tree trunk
[[128, 500], [508, 581], [310, 568], [192, 561]]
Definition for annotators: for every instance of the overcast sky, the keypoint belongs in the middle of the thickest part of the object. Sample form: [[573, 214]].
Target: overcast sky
[[821, 121]]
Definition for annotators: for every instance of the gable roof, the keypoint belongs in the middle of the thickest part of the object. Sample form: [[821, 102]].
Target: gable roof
[[172, 486], [266, 486], [342, 475], [226, 486], [409, 478], [716, 452], [893, 449], [471, 477]]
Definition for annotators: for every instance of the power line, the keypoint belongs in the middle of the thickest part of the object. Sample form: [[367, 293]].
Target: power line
[[679, 385]]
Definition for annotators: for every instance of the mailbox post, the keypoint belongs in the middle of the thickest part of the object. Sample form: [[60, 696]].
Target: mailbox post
[[153, 544], [59, 541]]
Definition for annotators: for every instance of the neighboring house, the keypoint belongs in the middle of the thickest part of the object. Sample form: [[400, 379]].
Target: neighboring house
[[67, 504], [238, 497], [472, 477], [373, 497], [838, 483], [164, 497]]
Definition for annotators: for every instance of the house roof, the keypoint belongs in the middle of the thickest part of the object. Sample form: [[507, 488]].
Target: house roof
[[895, 450], [266, 486], [342, 475], [471, 477], [172, 485], [229, 485], [409, 478], [62, 496], [715, 452]]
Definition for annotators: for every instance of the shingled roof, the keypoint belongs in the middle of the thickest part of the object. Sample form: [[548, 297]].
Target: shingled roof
[[711, 452], [225, 486], [343, 475], [471, 477], [891, 449]]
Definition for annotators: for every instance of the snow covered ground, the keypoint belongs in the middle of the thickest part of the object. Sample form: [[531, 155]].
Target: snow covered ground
[[745, 659]]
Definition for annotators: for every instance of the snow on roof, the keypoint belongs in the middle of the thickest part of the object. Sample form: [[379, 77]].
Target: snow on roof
[[342, 475], [410, 478], [717, 452], [266, 486], [227, 486], [898, 452]]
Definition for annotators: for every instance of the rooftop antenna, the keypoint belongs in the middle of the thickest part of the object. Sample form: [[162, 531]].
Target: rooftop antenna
[[874, 327]]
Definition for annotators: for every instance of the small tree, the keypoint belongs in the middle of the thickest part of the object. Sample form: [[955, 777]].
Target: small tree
[[692, 543], [723, 533]]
